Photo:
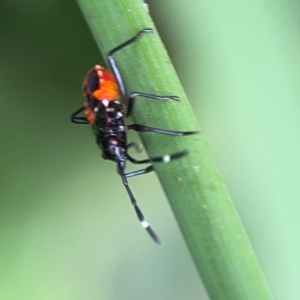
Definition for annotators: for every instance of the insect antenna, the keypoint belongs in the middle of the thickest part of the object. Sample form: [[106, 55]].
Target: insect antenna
[[139, 213]]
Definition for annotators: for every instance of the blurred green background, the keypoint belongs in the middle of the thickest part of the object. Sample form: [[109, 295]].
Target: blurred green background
[[68, 230]]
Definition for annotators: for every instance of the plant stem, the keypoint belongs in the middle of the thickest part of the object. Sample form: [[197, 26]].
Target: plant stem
[[206, 216]]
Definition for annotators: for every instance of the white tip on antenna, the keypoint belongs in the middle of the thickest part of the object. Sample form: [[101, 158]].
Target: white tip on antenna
[[145, 224]]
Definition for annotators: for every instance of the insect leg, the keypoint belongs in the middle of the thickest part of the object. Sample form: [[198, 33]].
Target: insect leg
[[132, 96], [164, 158], [140, 172], [138, 147], [143, 128], [112, 63], [78, 120]]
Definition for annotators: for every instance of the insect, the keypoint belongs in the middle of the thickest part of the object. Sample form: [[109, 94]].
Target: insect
[[107, 105]]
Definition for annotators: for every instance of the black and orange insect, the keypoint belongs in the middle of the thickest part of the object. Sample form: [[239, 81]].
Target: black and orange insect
[[107, 105]]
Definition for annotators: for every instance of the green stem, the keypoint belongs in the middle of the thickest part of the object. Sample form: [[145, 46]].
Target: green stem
[[207, 218]]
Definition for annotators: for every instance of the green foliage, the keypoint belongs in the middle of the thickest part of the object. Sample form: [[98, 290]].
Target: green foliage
[[207, 218]]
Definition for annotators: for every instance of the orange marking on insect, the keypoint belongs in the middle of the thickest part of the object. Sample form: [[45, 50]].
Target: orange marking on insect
[[90, 115], [107, 76], [109, 91], [106, 94]]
